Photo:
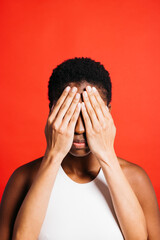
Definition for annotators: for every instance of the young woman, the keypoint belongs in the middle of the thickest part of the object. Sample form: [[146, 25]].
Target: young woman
[[79, 189]]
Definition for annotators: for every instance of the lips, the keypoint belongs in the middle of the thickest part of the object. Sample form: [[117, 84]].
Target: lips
[[80, 143]]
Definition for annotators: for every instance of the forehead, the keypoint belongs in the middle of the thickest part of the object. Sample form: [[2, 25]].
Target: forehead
[[81, 86]]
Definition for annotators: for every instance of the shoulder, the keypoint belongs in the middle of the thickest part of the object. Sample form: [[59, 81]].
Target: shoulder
[[28, 170], [14, 194], [144, 191], [133, 171], [137, 176], [138, 179], [23, 175]]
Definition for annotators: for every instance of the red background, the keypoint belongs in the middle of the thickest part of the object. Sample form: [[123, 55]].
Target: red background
[[37, 35]]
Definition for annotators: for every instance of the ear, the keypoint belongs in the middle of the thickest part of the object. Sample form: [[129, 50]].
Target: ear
[[109, 107]]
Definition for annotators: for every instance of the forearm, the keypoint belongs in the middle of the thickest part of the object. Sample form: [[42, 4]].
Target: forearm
[[33, 209], [128, 210]]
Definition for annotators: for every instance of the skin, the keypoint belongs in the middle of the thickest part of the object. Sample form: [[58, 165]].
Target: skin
[[82, 166], [79, 163]]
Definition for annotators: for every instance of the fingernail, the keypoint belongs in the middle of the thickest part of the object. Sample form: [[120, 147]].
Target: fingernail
[[67, 88], [94, 89], [89, 88], [77, 95], [85, 93], [79, 105], [74, 89]]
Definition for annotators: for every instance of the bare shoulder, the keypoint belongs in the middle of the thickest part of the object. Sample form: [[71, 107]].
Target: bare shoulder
[[14, 194], [143, 189], [137, 176], [23, 175], [132, 171], [28, 170]]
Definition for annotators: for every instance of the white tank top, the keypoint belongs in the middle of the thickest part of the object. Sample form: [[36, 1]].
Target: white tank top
[[80, 211]]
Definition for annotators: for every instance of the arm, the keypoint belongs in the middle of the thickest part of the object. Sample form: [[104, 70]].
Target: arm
[[59, 132], [37, 198], [127, 207], [100, 132], [12, 199], [143, 188]]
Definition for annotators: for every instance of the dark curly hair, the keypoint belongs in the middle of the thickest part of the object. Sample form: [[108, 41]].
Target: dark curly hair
[[77, 70]]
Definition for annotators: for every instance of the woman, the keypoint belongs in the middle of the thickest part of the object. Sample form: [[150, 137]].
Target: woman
[[79, 189]]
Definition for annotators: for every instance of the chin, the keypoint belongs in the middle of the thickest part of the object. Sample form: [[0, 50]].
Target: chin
[[79, 152]]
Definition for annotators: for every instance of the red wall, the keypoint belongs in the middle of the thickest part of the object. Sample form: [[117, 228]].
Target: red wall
[[37, 35]]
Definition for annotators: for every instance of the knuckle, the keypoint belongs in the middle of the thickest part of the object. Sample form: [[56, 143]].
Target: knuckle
[[69, 112], [73, 118], [99, 128], [63, 106], [90, 112], [96, 129], [49, 121], [93, 115], [103, 125], [69, 134], [94, 105], [77, 109], [92, 133], [55, 127], [61, 130], [75, 100]]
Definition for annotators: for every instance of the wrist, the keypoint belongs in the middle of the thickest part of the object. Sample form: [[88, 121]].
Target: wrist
[[53, 156], [107, 155], [109, 159]]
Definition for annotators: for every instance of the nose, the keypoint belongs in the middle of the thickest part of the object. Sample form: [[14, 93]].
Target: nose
[[80, 126]]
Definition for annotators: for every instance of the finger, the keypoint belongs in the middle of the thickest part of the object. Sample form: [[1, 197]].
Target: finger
[[95, 105], [64, 106], [104, 108], [73, 120], [55, 109], [90, 110], [71, 110], [86, 118]]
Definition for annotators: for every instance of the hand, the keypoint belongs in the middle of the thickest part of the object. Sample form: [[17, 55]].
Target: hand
[[100, 128], [59, 129]]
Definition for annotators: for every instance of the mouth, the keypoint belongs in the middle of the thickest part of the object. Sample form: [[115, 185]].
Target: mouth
[[80, 144]]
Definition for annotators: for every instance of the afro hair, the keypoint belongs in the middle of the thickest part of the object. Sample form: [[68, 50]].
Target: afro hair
[[77, 70]]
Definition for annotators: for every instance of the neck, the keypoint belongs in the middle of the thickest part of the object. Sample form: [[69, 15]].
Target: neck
[[80, 165]]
